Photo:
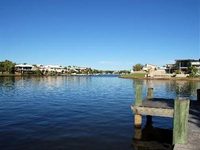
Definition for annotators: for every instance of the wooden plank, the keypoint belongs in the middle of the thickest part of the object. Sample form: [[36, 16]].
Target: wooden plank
[[181, 113], [159, 103], [153, 111]]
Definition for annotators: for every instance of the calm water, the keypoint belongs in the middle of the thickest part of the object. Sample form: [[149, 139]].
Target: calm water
[[71, 113]]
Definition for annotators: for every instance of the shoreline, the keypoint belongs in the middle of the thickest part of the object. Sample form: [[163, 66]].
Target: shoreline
[[119, 76], [17, 75], [172, 78], [32, 75]]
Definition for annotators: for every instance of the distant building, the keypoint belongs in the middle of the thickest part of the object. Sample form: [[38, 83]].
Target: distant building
[[154, 71], [52, 68], [196, 64], [149, 67], [170, 68], [23, 68], [184, 64], [76, 69]]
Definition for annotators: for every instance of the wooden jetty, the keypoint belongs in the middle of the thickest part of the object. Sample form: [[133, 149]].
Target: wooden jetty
[[177, 109]]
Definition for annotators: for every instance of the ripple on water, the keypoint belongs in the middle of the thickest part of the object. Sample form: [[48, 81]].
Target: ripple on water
[[74, 112]]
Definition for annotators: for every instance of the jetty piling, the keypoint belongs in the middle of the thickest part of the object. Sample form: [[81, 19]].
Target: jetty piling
[[149, 97], [181, 113], [150, 93], [138, 102]]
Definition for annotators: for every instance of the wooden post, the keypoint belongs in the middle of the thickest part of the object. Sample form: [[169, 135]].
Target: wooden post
[[138, 134], [149, 97], [150, 93], [138, 121], [138, 102], [181, 113], [138, 95], [198, 95]]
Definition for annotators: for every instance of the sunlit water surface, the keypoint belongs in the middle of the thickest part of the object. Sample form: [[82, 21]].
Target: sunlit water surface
[[72, 113]]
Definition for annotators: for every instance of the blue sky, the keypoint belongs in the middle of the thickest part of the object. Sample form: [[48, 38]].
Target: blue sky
[[102, 34]]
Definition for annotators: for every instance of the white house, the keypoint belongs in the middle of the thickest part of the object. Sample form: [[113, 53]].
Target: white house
[[53, 68], [149, 67], [196, 64], [24, 67]]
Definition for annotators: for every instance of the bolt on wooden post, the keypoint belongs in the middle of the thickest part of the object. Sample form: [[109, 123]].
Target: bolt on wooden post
[[138, 102], [181, 114]]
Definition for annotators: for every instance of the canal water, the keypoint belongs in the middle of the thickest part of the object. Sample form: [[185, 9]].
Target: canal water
[[77, 112]]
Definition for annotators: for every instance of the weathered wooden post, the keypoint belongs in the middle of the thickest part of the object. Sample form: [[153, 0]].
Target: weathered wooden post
[[138, 95], [149, 97], [138, 102], [138, 133], [150, 93], [198, 95], [181, 113]]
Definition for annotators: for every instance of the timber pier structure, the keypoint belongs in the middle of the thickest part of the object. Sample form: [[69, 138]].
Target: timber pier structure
[[184, 112]]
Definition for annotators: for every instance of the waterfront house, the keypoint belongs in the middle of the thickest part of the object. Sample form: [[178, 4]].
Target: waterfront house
[[21, 68], [52, 68], [77, 70], [184, 64], [170, 68], [149, 67]]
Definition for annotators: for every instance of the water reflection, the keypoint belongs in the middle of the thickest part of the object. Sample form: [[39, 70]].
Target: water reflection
[[7, 85], [184, 88], [77, 112], [152, 138], [7, 82], [170, 88], [57, 81]]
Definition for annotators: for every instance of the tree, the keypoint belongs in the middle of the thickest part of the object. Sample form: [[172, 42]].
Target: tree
[[137, 67], [38, 72], [2, 67], [193, 71], [124, 72], [177, 72], [7, 66]]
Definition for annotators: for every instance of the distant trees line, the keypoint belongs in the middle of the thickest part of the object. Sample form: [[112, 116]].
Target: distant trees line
[[8, 67]]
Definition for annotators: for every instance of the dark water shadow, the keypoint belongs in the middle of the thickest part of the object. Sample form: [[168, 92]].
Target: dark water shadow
[[194, 113], [152, 138]]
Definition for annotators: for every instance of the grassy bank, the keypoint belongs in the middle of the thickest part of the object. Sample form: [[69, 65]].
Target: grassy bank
[[8, 75], [142, 76], [133, 76]]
